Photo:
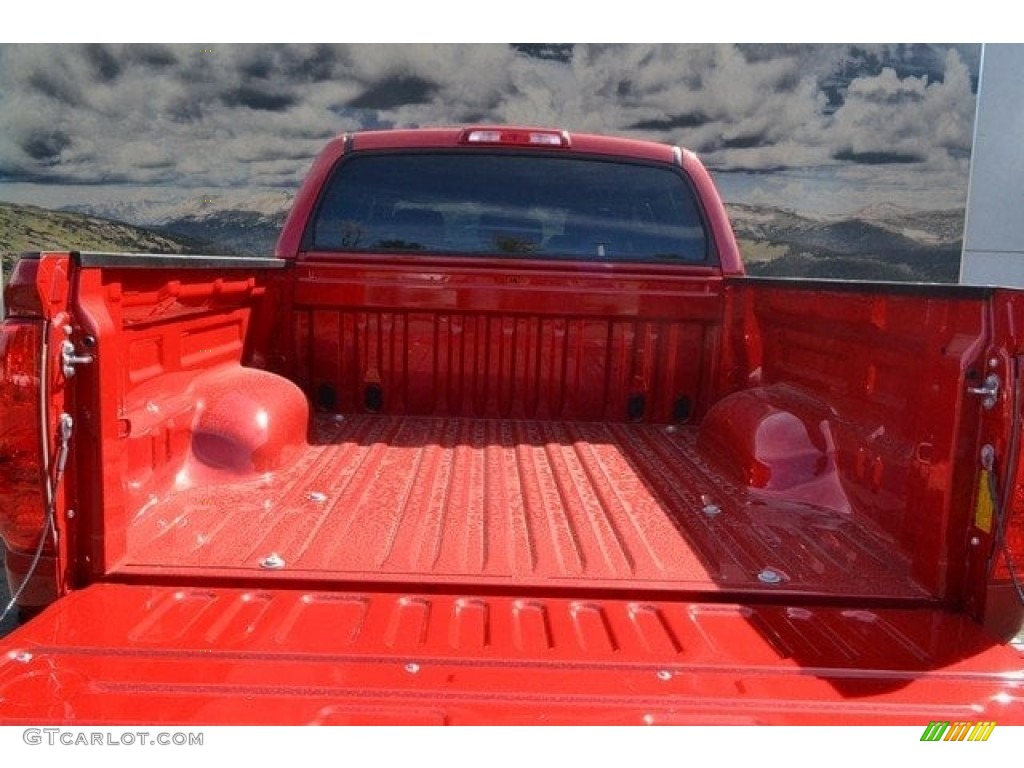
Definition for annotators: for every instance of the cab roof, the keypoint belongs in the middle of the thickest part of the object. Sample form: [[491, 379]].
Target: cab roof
[[509, 136]]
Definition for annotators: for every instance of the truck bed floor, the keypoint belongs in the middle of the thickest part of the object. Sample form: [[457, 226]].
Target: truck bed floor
[[524, 503]]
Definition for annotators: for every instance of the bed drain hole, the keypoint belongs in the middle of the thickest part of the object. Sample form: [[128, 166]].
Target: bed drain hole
[[373, 397]]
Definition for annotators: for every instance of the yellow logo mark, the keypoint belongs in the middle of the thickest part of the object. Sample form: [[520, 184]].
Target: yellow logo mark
[[961, 731]]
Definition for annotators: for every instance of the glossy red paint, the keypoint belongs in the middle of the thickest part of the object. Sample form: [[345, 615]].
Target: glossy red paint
[[397, 488], [21, 515], [470, 337], [893, 365], [290, 239], [32, 398], [247, 422], [778, 442], [877, 380], [729, 260], [441, 138], [996, 561], [538, 506], [444, 338], [169, 346], [289, 243], [115, 654]]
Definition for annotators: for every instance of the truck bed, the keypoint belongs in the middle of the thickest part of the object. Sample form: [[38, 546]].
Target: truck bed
[[527, 503]]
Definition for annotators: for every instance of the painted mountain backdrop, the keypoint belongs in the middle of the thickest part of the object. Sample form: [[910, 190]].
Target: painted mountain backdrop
[[880, 243], [838, 160]]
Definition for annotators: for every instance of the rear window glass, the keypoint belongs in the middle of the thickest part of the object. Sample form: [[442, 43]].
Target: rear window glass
[[530, 206]]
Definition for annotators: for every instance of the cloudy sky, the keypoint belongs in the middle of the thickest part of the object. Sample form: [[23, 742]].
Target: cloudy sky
[[820, 128]]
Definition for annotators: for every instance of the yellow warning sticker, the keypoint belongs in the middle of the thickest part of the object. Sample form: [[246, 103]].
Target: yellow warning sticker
[[984, 505]]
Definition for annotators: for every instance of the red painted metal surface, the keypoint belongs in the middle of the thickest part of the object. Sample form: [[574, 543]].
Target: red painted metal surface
[[120, 654], [881, 376], [164, 339], [996, 565], [446, 337], [532, 360], [529, 491], [539, 504]]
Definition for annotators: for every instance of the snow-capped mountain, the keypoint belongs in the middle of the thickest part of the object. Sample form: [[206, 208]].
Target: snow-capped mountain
[[883, 242], [243, 223], [157, 211]]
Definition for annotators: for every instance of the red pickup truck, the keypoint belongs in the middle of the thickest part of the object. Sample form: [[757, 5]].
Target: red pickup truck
[[503, 434]]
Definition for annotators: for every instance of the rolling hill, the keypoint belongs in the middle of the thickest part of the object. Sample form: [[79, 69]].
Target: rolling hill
[[244, 223], [244, 232], [28, 228], [881, 243]]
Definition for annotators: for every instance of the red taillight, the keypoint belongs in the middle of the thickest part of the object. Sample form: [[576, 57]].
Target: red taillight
[[21, 473], [516, 136], [21, 296]]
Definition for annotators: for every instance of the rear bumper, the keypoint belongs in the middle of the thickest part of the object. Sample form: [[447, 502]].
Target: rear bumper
[[120, 654]]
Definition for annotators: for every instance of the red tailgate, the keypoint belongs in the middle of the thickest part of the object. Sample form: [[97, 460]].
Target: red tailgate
[[127, 654]]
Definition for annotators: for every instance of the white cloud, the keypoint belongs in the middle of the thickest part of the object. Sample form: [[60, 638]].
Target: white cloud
[[912, 117]]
